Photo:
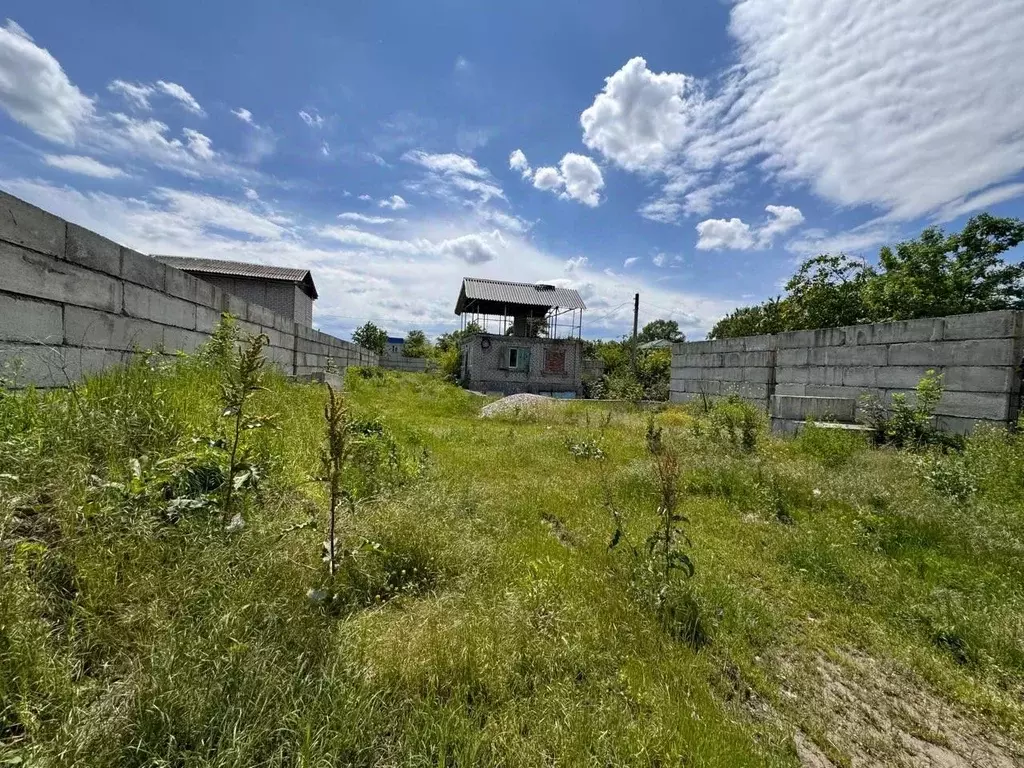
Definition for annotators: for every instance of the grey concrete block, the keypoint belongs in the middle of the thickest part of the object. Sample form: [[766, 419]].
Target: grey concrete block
[[866, 376], [794, 374], [826, 390], [259, 315], [852, 356], [207, 319], [25, 225], [158, 307], [702, 360], [994, 352], [790, 389], [278, 339], [34, 322], [927, 329], [983, 325], [978, 378], [975, 405], [180, 340], [693, 347], [962, 426], [143, 270], [792, 357], [102, 330], [47, 367], [89, 250], [728, 345], [757, 375], [758, 343], [45, 277], [181, 284], [901, 376], [821, 337], [809, 407], [748, 359], [207, 295], [248, 329], [234, 306], [729, 374]]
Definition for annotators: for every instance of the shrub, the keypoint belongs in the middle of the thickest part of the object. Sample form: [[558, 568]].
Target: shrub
[[902, 424], [834, 448]]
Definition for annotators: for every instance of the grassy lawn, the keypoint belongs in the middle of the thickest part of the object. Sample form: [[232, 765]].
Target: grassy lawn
[[849, 605]]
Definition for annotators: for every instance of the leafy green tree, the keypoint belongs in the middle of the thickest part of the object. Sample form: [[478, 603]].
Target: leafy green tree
[[416, 345], [752, 321], [371, 337], [937, 275], [933, 275], [827, 291], [452, 339], [660, 329]]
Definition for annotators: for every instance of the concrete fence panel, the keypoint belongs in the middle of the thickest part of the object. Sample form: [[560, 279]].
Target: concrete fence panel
[[73, 302], [979, 357]]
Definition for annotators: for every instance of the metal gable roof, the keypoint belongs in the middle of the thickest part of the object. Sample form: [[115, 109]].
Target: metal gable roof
[[239, 269], [524, 294]]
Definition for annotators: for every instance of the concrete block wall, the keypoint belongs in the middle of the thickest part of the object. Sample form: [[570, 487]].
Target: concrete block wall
[[979, 355], [406, 364], [73, 303], [744, 366]]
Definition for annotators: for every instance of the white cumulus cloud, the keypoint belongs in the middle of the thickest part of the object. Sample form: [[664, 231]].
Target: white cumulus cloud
[[350, 216], [582, 178], [735, 234], [517, 162], [83, 165], [900, 124], [35, 91], [577, 177], [243, 114], [136, 94], [200, 145], [179, 93], [395, 203]]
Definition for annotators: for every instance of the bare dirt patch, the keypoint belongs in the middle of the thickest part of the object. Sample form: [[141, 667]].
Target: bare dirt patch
[[860, 712]]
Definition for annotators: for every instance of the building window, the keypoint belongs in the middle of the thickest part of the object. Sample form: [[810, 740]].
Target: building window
[[517, 359], [554, 360]]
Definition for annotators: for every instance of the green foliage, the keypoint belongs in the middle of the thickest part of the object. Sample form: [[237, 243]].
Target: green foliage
[[833, 448], [240, 382], [932, 276], [904, 424], [476, 615], [649, 381], [584, 448], [452, 339], [416, 345], [660, 329], [221, 348], [371, 337], [733, 421]]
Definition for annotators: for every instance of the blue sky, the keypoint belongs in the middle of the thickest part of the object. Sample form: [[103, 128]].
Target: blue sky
[[693, 152]]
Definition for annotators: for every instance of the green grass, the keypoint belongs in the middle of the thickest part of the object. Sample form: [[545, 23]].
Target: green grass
[[482, 619]]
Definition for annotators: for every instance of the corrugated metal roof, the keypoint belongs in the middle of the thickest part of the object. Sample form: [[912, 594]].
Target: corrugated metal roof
[[239, 269], [525, 294]]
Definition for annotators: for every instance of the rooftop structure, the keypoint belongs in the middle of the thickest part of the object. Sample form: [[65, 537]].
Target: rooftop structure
[[285, 290], [528, 309]]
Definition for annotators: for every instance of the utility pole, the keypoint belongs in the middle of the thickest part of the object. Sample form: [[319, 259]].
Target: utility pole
[[636, 316]]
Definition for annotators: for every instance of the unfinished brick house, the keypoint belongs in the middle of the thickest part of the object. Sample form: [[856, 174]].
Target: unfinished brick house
[[529, 338]]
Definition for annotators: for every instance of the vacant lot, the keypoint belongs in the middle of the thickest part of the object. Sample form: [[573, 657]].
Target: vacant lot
[[848, 605]]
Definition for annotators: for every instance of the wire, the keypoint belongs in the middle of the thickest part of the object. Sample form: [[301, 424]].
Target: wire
[[607, 314]]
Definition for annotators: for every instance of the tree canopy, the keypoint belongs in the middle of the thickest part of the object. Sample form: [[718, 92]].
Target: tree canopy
[[416, 344], [370, 336], [931, 276], [660, 329]]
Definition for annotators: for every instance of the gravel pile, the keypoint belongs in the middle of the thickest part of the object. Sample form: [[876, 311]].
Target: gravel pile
[[513, 404]]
